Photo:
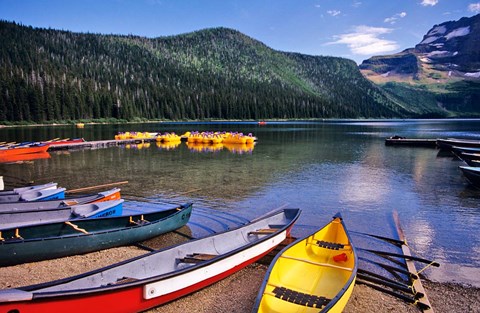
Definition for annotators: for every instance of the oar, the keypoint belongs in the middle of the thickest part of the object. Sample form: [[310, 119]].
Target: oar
[[408, 299], [402, 282], [96, 187], [392, 268], [392, 285], [391, 240], [407, 257]]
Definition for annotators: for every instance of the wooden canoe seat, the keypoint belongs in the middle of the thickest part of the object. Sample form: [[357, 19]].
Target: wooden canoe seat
[[300, 298], [69, 202], [265, 231], [197, 257], [330, 245]]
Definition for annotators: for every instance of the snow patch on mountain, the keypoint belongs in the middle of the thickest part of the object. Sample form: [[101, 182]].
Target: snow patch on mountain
[[462, 31], [428, 40], [438, 30], [474, 75]]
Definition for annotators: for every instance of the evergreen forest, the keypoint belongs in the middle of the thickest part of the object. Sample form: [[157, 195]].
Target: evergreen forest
[[220, 73]]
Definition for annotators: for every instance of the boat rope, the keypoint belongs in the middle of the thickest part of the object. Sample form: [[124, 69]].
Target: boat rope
[[427, 266]]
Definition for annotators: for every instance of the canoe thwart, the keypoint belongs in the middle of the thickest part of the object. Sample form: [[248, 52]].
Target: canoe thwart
[[349, 269], [197, 257], [264, 231], [76, 228], [300, 297], [330, 245]]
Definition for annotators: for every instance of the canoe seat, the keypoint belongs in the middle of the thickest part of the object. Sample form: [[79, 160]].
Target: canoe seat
[[264, 231], [330, 245], [69, 202], [197, 257], [300, 297]]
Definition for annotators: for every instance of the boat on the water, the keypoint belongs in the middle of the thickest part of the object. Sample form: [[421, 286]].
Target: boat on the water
[[23, 149], [34, 195], [158, 277], [61, 214], [449, 143], [313, 274], [45, 205], [19, 190], [24, 157], [31, 243], [472, 174]]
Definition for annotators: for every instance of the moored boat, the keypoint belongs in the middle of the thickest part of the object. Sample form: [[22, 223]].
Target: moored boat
[[38, 242], [472, 174], [21, 206], [19, 190], [450, 143], [35, 195], [27, 149], [158, 277], [61, 214], [313, 274]]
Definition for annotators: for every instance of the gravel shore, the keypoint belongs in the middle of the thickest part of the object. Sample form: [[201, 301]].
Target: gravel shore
[[236, 293]]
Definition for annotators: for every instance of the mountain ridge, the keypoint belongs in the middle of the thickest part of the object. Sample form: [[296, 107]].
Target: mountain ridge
[[217, 73]]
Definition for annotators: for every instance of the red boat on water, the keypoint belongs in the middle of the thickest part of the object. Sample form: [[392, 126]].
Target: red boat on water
[[24, 157], [26, 149]]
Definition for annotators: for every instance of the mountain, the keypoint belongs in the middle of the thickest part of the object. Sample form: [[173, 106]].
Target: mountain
[[219, 73], [444, 68]]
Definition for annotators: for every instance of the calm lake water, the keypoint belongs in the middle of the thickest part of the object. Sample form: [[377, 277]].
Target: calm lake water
[[320, 167]]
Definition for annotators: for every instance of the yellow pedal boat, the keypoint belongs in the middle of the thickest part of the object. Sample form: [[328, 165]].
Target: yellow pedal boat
[[313, 274]]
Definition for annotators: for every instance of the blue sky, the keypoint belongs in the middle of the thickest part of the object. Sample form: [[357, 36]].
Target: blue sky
[[354, 29]]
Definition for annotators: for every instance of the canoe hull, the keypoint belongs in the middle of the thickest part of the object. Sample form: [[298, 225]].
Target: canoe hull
[[23, 150], [137, 295], [472, 174], [55, 240], [316, 273]]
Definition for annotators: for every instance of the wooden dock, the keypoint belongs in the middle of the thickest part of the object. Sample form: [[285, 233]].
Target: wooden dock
[[98, 144], [432, 143]]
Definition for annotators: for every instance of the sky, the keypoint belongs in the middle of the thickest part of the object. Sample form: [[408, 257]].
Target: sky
[[353, 29]]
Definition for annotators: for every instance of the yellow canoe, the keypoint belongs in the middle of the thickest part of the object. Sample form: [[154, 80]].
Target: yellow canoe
[[313, 274]]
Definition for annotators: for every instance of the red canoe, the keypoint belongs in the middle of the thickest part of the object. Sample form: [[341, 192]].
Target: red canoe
[[23, 150], [24, 157], [158, 277]]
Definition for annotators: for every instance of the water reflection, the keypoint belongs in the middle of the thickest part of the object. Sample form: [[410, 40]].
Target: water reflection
[[320, 167]]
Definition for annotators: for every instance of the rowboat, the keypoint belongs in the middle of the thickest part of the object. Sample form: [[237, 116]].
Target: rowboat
[[46, 205], [37, 242], [448, 144], [472, 174], [158, 277], [313, 274], [472, 159], [90, 210], [24, 157], [34, 148], [35, 195], [19, 190]]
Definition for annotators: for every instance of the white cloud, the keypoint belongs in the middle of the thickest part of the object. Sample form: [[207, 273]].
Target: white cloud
[[365, 40], [393, 19], [429, 2], [474, 7], [333, 12]]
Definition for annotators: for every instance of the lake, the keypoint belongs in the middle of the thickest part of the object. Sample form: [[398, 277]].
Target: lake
[[321, 167]]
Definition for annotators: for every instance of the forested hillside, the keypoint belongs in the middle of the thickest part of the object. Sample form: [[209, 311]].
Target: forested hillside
[[52, 75]]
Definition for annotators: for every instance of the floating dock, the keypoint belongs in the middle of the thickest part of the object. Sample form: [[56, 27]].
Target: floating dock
[[98, 144], [432, 143]]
